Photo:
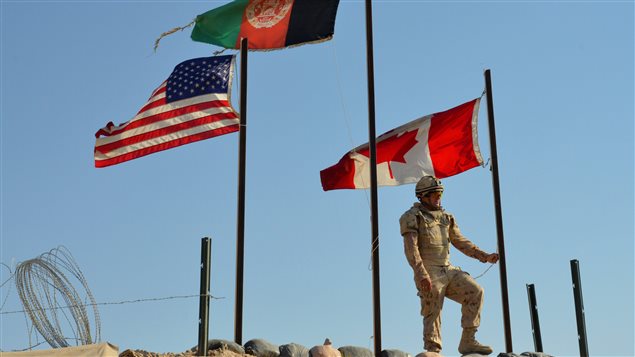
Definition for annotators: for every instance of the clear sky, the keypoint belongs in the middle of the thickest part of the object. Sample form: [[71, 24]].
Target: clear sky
[[563, 85]]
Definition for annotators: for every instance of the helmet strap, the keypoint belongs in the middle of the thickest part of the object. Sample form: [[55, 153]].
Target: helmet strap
[[427, 205]]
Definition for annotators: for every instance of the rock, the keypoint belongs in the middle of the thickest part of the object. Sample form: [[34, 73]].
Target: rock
[[354, 351], [261, 348]]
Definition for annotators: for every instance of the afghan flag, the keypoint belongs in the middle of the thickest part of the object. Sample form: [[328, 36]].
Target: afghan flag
[[441, 144], [268, 24]]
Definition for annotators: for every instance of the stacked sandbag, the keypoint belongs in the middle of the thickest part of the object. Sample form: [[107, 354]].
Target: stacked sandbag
[[325, 350], [261, 348], [394, 353], [354, 351], [435, 354], [293, 350], [216, 348], [142, 353], [217, 344]]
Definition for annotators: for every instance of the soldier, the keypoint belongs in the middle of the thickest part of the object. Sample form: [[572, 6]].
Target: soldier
[[428, 231]]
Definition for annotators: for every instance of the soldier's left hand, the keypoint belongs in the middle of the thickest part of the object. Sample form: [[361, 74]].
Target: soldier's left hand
[[491, 258]]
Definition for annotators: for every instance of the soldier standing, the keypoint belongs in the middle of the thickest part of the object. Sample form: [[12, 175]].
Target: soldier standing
[[428, 231]]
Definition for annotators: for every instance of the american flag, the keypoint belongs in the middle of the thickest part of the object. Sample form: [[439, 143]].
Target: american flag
[[191, 105]]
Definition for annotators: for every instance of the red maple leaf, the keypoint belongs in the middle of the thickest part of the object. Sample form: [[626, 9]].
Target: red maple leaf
[[393, 148]]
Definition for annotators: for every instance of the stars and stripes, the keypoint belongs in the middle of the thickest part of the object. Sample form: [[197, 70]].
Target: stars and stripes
[[191, 105]]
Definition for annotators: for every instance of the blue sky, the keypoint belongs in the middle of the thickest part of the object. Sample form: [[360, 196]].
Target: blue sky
[[563, 84]]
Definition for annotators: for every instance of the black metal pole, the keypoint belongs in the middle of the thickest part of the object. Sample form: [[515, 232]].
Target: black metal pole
[[203, 310], [579, 308], [535, 322], [240, 231], [373, 179], [499, 213]]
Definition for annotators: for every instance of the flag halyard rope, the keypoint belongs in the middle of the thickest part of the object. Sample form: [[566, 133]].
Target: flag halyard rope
[[167, 33]]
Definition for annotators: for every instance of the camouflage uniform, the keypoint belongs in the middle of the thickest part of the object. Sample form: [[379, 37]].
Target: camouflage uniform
[[429, 256]]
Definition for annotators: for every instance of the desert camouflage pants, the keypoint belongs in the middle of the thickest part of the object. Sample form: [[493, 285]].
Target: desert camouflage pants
[[457, 285]]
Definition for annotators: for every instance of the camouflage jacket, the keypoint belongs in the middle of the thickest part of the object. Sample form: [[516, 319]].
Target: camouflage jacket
[[435, 230]]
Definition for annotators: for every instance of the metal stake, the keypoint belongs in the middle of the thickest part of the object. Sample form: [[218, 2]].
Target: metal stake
[[535, 322], [203, 310], [579, 308]]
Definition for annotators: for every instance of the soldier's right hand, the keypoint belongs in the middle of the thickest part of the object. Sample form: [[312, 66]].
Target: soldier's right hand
[[426, 283]]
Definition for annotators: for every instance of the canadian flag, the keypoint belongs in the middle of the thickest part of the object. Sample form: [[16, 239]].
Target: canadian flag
[[441, 144]]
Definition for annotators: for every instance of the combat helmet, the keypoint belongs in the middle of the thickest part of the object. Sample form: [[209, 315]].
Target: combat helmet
[[428, 184]]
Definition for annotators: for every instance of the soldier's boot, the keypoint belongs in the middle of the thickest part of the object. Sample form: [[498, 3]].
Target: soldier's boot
[[433, 347], [469, 344]]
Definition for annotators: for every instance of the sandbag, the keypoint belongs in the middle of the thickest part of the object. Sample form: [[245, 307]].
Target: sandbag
[[261, 348], [524, 354], [326, 350], [216, 344], [293, 350], [394, 353], [428, 354], [354, 351]]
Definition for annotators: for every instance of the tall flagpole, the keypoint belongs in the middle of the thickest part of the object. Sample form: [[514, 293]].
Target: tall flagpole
[[373, 179], [499, 212], [240, 231]]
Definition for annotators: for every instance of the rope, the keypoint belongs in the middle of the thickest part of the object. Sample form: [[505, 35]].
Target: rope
[[485, 272], [43, 284], [476, 277], [374, 244], [346, 115], [167, 33]]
